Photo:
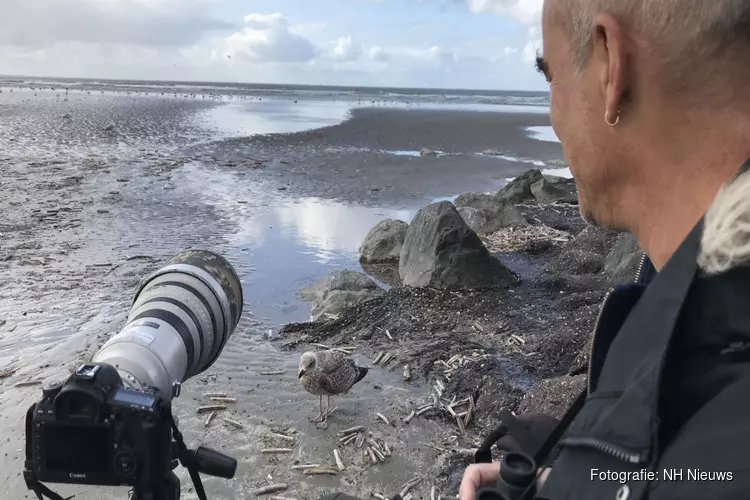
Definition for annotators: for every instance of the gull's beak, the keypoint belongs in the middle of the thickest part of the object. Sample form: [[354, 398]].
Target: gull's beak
[[301, 372]]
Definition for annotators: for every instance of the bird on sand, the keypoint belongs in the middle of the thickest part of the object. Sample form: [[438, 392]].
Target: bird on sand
[[326, 373]]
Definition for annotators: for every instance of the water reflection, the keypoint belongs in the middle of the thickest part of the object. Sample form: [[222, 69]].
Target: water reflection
[[546, 134], [272, 116]]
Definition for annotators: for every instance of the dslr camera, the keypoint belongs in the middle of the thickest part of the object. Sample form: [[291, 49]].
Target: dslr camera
[[110, 422]]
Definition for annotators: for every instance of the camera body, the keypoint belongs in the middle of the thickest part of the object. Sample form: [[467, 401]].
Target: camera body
[[90, 429]]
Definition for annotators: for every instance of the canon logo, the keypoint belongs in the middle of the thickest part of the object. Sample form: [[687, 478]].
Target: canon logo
[[73, 475]]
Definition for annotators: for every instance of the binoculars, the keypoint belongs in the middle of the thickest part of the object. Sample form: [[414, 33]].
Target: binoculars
[[516, 479]]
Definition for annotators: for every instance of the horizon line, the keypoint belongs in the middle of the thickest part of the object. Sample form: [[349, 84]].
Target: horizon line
[[156, 80]]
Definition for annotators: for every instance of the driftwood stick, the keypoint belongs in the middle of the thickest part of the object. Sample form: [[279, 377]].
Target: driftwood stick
[[214, 394], [347, 439], [388, 334], [451, 411], [351, 430], [378, 453], [377, 360], [408, 496], [469, 416], [339, 462], [276, 450], [433, 496], [373, 458], [322, 346], [379, 496], [305, 466], [210, 417], [204, 409], [407, 372], [325, 470], [382, 417], [438, 448], [234, 423], [410, 416], [409, 485], [273, 488], [360, 440], [219, 399], [282, 436], [387, 448], [424, 410], [461, 427], [273, 372]]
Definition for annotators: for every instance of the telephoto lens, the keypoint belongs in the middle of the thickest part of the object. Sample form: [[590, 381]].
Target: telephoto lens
[[181, 319]]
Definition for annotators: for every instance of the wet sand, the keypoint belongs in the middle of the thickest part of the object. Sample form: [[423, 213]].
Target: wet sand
[[374, 156], [98, 191]]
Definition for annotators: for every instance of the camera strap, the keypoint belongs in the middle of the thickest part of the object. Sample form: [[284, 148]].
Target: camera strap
[[187, 460]]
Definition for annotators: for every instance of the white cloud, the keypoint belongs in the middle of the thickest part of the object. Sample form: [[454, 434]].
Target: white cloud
[[377, 54], [528, 12], [32, 24], [267, 38], [344, 49]]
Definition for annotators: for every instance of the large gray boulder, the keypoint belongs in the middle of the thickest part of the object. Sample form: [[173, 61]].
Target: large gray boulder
[[484, 213], [552, 189], [519, 189], [383, 243], [623, 260], [339, 291], [441, 251]]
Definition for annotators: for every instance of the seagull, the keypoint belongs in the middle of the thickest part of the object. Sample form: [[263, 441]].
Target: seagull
[[328, 373]]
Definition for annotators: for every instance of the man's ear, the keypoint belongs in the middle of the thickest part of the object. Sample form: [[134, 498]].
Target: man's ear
[[609, 60]]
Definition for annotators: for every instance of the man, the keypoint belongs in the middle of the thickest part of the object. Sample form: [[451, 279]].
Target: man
[[651, 101]]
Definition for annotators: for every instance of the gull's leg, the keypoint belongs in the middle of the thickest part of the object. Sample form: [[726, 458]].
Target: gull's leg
[[324, 422], [319, 418]]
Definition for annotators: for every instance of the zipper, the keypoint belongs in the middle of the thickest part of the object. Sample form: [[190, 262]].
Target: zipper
[[593, 340], [638, 279], [614, 451], [639, 273]]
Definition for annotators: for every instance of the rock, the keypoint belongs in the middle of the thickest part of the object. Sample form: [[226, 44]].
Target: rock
[[552, 396], [519, 189], [550, 191], [385, 273], [427, 152], [623, 260], [484, 213], [441, 251], [109, 128], [383, 242], [339, 291]]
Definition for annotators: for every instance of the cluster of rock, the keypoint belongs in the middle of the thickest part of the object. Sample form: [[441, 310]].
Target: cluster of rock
[[441, 248]]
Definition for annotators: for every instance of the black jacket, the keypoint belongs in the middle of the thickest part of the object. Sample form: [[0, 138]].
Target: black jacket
[[668, 409]]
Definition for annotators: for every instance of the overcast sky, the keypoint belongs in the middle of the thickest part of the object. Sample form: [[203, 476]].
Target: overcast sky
[[486, 44]]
